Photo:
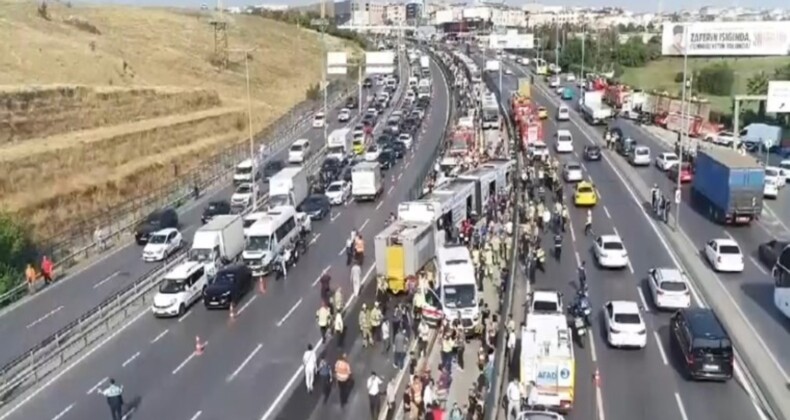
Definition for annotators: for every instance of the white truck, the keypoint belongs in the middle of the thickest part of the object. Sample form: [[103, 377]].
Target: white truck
[[425, 65], [218, 242], [338, 143], [593, 109], [246, 172], [547, 358], [288, 187], [366, 182], [492, 65], [424, 88], [490, 113]]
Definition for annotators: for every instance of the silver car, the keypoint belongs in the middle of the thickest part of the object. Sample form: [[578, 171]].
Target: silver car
[[640, 156], [572, 172]]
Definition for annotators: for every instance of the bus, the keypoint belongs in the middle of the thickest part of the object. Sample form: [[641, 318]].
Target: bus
[[781, 274], [541, 68]]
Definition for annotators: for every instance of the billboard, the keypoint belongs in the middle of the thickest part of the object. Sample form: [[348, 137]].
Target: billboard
[[726, 38], [379, 62], [443, 16], [336, 63], [511, 41]]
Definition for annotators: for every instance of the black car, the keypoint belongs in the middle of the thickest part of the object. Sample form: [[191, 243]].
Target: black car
[[386, 159], [399, 149], [703, 342], [592, 152], [316, 206], [770, 251], [384, 140], [330, 169], [228, 287], [272, 167], [351, 103], [157, 220], [215, 208], [368, 83]]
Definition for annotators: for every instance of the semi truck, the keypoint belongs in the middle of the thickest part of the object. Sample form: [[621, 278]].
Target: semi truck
[[218, 242], [366, 182], [727, 186], [593, 109], [288, 187]]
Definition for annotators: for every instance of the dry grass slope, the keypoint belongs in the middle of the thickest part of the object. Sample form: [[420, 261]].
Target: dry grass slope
[[100, 104]]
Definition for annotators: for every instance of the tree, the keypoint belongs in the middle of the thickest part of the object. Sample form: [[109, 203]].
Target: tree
[[758, 85], [716, 79], [16, 251], [782, 73]]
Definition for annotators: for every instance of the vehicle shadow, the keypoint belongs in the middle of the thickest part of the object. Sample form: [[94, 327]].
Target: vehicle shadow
[[674, 356], [762, 295]]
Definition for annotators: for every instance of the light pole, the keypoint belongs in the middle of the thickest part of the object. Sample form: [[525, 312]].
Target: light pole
[[683, 128], [584, 41], [253, 160], [557, 47]]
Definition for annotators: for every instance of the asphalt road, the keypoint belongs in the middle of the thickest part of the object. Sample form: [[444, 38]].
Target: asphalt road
[[45, 313], [648, 383], [752, 290], [250, 363]]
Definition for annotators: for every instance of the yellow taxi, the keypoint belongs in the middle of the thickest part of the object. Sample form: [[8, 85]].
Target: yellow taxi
[[585, 194], [543, 113]]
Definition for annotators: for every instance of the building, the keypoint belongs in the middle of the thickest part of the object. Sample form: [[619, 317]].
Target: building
[[361, 12], [395, 14], [414, 11]]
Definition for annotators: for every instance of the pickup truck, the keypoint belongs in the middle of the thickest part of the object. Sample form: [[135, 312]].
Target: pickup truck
[[728, 186]]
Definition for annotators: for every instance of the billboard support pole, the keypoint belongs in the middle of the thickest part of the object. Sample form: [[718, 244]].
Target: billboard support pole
[[684, 128]]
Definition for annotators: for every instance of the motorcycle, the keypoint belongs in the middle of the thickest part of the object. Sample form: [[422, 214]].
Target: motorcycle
[[289, 256], [581, 307]]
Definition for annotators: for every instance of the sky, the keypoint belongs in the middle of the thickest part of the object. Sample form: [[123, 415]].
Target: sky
[[649, 6]]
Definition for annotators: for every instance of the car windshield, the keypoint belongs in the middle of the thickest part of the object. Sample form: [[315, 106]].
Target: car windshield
[[771, 172], [642, 151], [462, 296], [545, 306], [199, 254], [215, 207], [573, 167], [274, 166], [720, 347], [670, 158], [242, 170], [373, 149], [171, 286], [227, 277], [729, 249], [157, 239], [564, 138], [539, 146], [673, 286], [153, 219], [633, 319], [249, 222], [613, 246], [334, 188], [258, 243], [244, 189], [319, 117], [296, 148], [584, 190], [593, 149]]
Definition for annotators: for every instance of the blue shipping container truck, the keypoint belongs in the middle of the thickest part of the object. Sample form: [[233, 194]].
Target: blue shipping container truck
[[728, 186]]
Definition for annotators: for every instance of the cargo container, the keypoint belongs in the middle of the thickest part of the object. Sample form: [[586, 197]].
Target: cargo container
[[401, 250], [524, 88], [727, 186]]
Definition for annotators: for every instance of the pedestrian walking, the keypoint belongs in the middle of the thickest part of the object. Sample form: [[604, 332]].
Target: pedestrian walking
[[114, 395], [513, 399], [339, 329], [374, 394], [30, 277], [325, 377], [356, 279], [47, 268], [588, 223], [385, 335], [399, 347], [309, 363], [343, 376]]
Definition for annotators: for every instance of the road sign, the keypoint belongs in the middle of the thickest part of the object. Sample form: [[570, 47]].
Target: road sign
[[778, 97]]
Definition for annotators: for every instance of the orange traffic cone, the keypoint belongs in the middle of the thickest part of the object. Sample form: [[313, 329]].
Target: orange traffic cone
[[198, 346], [232, 312], [262, 285], [597, 378]]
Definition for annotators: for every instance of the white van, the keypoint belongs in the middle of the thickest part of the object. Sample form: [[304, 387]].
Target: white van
[[564, 142], [268, 236], [181, 287], [756, 135], [457, 285], [299, 151]]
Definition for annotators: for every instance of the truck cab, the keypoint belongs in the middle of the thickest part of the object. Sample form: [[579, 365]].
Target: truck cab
[[269, 236]]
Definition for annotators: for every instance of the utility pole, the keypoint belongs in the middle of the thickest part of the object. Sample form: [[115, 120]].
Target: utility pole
[[324, 71], [584, 41], [253, 158], [684, 128], [557, 46]]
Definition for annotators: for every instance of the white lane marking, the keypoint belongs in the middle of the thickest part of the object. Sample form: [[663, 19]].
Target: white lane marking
[[605, 210], [365, 223], [645, 308], [758, 265], [290, 311], [244, 363], [630, 266], [729, 236], [389, 190], [573, 234], [159, 337], [315, 238], [578, 259], [130, 359], [185, 316], [110, 277], [96, 387], [44, 317], [681, 407], [278, 399], [247, 304], [324, 271], [599, 403], [593, 354], [400, 175], [188, 359], [196, 415], [333, 218], [381, 203], [660, 348], [63, 412], [60, 374], [129, 413], [408, 163]]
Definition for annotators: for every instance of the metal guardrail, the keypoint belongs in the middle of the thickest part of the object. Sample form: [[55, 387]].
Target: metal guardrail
[[178, 193], [59, 348]]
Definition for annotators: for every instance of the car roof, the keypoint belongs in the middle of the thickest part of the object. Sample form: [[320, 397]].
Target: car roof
[[666, 154], [725, 242], [625, 306], [573, 163], [703, 322], [340, 182], [584, 184], [670, 275], [301, 141], [564, 132], [610, 238], [165, 231], [183, 270]]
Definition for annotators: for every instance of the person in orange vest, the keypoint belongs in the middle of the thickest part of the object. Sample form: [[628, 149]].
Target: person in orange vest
[[30, 276], [46, 269], [343, 377], [359, 249]]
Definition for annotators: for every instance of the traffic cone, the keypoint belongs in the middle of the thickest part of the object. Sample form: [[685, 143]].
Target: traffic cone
[[232, 312], [597, 378], [198, 346], [262, 284]]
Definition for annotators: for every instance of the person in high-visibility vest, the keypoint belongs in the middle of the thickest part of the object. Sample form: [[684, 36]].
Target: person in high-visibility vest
[[359, 249], [375, 317], [364, 326], [339, 329], [323, 315], [30, 276], [343, 377]]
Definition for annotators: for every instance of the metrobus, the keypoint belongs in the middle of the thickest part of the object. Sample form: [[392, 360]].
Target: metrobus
[[781, 273], [541, 68]]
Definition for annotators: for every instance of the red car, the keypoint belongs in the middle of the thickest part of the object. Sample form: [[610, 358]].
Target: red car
[[686, 173]]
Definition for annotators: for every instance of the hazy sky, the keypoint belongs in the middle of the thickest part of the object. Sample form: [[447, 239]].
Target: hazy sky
[[649, 6]]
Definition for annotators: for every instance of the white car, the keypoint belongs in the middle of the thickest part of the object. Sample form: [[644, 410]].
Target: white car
[[299, 151], [725, 138], [775, 174], [410, 96], [610, 252], [666, 160], [669, 288], [785, 165], [570, 77], [406, 139], [161, 244], [564, 142], [559, 90], [509, 72], [640, 156], [572, 172], [538, 150], [338, 192], [563, 113], [724, 255], [180, 288], [344, 115], [243, 195], [554, 82], [770, 189], [624, 324], [319, 120], [372, 153]]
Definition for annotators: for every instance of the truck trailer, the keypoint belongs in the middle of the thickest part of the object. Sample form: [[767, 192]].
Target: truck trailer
[[728, 186]]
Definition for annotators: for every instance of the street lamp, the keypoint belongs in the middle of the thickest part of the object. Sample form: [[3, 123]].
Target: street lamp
[[254, 162], [584, 41]]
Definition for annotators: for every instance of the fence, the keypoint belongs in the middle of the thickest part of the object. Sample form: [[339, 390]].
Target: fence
[[79, 243]]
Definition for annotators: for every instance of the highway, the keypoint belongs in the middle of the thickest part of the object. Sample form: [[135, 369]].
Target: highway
[[45, 313], [648, 383], [249, 363]]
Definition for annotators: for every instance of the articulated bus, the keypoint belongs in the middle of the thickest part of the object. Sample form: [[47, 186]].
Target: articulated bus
[[541, 68], [781, 273]]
